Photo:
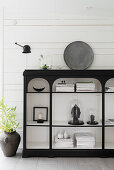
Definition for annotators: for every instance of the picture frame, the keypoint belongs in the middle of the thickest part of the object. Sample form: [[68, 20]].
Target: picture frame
[[37, 111]]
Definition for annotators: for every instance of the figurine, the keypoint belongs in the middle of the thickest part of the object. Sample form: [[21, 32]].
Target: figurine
[[92, 120], [75, 112]]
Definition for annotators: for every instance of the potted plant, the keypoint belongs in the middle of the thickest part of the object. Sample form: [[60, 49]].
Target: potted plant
[[43, 66], [9, 139]]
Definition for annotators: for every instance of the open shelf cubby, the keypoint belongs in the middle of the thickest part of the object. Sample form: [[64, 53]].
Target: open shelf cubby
[[97, 132], [49, 100]]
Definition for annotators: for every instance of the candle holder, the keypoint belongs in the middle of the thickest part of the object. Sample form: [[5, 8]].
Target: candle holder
[[40, 114], [92, 117]]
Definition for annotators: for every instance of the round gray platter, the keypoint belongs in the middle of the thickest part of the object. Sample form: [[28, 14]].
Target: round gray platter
[[78, 55]]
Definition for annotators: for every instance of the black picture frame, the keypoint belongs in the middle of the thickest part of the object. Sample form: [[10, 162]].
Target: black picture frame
[[40, 108]]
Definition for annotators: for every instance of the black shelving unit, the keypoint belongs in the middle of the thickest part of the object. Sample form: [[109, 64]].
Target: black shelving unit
[[51, 76]]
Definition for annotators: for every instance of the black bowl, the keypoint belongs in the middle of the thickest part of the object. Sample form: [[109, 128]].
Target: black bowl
[[39, 90]]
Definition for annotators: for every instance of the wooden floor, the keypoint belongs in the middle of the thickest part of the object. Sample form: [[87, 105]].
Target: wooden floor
[[19, 163]]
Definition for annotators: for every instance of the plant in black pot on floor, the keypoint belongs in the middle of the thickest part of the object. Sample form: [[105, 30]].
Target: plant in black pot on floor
[[9, 139]]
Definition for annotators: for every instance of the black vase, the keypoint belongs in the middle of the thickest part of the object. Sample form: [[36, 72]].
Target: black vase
[[9, 143]]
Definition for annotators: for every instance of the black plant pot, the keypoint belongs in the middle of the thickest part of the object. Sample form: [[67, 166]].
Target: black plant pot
[[9, 143]]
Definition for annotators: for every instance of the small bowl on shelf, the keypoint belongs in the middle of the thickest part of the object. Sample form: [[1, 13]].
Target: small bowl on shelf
[[39, 90]]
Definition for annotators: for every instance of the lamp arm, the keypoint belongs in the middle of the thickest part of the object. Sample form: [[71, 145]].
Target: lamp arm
[[18, 44]]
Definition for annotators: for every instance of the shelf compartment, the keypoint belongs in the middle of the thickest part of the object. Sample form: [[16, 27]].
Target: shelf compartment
[[37, 145], [109, 107], [34, 123], [76, 80], [37, 137], [62, 105], [38, 83], [65, 124], [109, 145], [110, 84], [34, 100], [97, 132], [97, 146], [109, 138]]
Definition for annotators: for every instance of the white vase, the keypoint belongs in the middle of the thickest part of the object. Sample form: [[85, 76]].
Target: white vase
[[65, 135]]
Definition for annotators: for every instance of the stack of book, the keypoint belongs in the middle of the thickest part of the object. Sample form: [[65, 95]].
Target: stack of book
[[110, 89], [64, 87], [109, 121], [85, 86], [64, 143], [85, 140]]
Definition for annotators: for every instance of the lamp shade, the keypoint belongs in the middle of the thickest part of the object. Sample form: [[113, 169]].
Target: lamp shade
[[26, 49]]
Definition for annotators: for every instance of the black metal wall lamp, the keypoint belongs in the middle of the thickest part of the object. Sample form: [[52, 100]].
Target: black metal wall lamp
[[26, 48]]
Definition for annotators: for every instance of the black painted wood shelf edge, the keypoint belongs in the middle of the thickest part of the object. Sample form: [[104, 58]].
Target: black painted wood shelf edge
[[51, 76]]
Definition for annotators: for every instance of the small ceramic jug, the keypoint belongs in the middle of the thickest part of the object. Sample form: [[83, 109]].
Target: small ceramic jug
[[60, 135], [65, 135]]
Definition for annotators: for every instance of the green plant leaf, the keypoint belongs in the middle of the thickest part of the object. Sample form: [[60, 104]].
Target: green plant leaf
[[8, 120]]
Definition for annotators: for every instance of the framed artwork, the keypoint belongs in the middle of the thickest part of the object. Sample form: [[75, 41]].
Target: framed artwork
[[40, 113]]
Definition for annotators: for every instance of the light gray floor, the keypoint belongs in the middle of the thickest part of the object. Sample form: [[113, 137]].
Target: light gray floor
[[19, 163]]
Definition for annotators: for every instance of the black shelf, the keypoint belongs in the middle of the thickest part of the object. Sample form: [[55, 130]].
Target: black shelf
[[38, 92], [51, 76], [63, 92], [34, 123], [77, 92], [39, 125], [70, 126], [109, 125]]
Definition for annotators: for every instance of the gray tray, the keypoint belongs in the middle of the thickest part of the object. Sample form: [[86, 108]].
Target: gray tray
[[78, 55]]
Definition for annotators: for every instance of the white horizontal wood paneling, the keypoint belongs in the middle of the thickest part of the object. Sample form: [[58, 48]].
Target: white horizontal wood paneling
[[13, 78], [59, 22], [14, 87], [13, 95], [58, 34], [14, 61], [69, 8]]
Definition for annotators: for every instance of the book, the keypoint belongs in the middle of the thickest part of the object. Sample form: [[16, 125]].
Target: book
[[85, 140], [110, 89], [65, 87], [109, 121], [85, 86], [64, 143]]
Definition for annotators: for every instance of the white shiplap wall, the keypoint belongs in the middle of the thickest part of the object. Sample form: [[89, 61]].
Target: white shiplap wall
[[48, 29]]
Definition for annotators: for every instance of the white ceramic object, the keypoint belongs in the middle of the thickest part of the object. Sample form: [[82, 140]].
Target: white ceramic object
[[65, 135], [40, 116], [60, 135]]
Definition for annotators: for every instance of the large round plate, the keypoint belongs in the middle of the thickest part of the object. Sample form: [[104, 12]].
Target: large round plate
[[78, 55]]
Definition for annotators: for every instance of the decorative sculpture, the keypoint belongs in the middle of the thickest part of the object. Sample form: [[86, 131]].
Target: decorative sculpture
[[75, 112]]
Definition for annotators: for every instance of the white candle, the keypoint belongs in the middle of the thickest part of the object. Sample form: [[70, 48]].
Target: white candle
[[40, 116]]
